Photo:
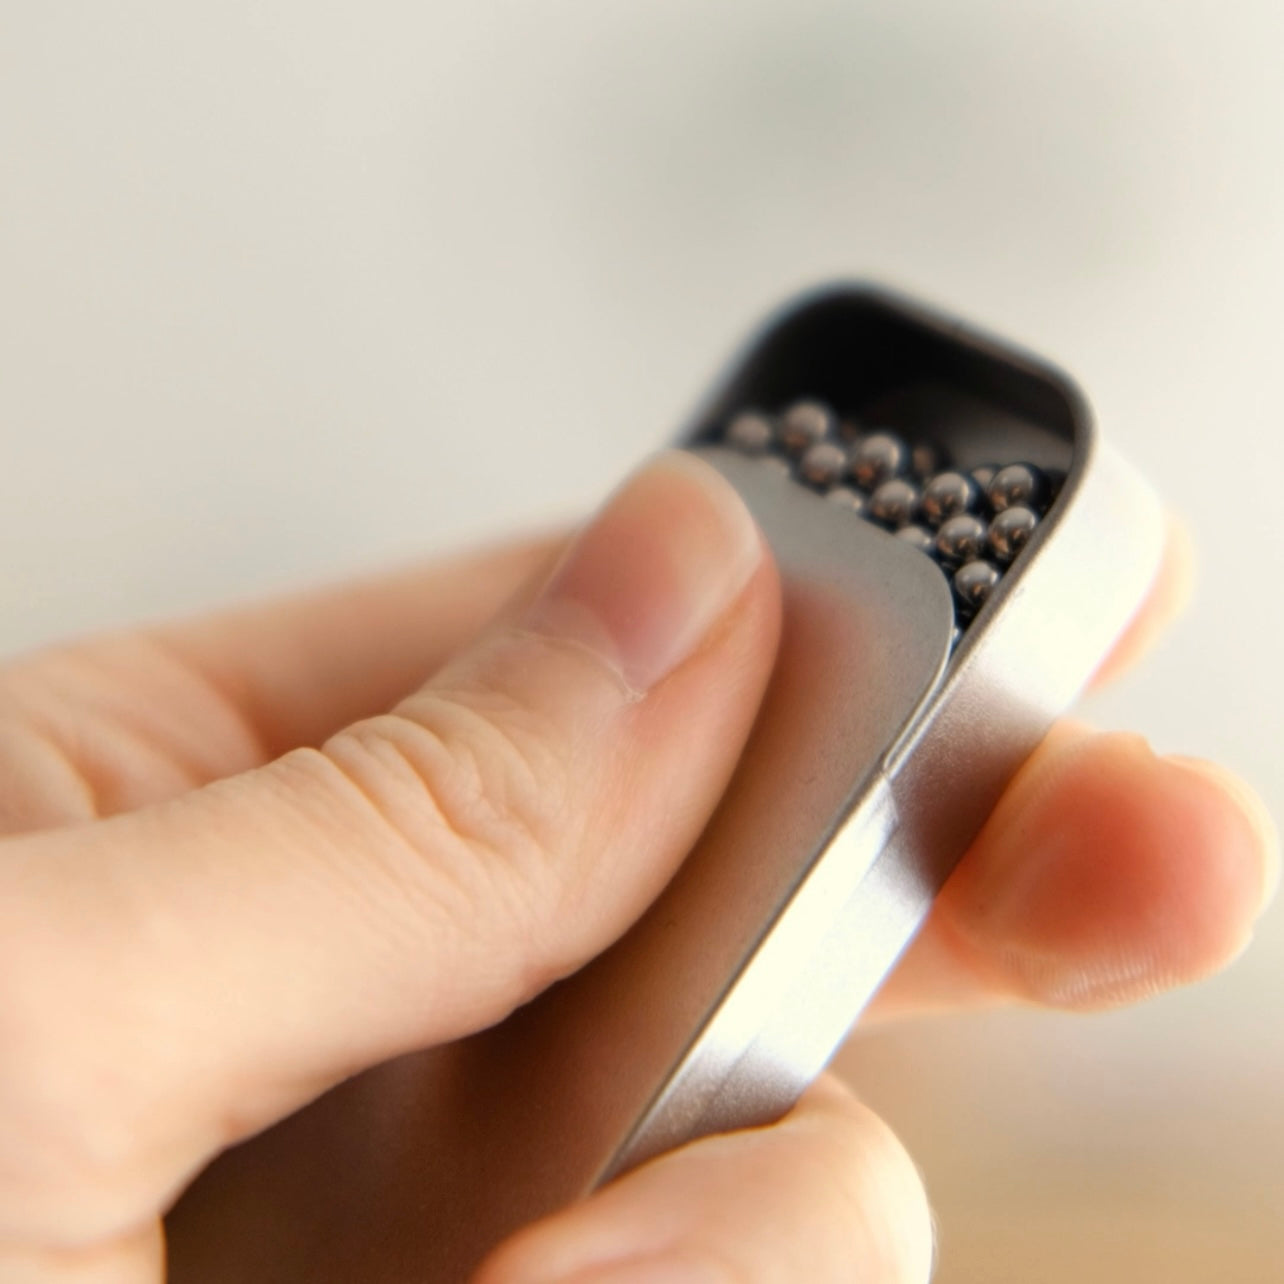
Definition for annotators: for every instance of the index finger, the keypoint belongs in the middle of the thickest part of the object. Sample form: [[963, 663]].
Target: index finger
[[113, 723]]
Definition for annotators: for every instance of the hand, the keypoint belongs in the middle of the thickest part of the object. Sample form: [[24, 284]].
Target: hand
[[231, 879]]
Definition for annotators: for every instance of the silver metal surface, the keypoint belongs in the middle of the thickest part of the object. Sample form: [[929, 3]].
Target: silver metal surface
[[894, 502], [974, 584], [1018, 484], [918, 537], [804, 424], [845, 497], [947, 495], [851, 805], [878, 458], [961, 539], [751, 432], [1010, 532], [823, 465]]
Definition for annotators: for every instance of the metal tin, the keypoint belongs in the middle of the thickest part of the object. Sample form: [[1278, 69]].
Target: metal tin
[[879, 752]]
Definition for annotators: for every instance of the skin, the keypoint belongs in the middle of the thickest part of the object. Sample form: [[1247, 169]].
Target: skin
[[430, 766]]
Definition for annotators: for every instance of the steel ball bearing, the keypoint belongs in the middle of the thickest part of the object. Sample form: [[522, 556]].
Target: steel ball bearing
[[894, 502], [823, 465], [1022, 484], [1010, 531], [918, 537], [804, 424], [947, 495], [845, 497], [880, 457], [961, 539], [973, 583], [751, 432]]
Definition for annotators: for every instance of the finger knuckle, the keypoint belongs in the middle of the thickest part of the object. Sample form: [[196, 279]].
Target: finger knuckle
[[474, 793]]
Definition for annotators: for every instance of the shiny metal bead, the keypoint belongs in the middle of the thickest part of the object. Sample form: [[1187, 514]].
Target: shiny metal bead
[[918, 536], [983, 475], [1010, 531], [926, 459], [804, 424], [947, 495], [1022, 484], [823, 465], [960, 539], [845, 497], [751, 432], [880, 457], [894, 502], [973, 584]]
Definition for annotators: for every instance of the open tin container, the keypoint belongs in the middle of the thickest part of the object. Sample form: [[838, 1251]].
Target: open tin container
[[883, 743]]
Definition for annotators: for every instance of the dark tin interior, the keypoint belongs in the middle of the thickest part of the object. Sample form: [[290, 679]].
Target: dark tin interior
[[891, 363]]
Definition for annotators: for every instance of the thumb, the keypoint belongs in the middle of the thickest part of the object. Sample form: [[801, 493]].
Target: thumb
[[180, 977]]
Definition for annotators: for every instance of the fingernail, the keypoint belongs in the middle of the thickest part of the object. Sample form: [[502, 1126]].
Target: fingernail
[[650, 575], [1254, 812], [649, 1270]]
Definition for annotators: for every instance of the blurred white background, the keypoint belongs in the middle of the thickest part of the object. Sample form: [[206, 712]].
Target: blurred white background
[[288, 290]]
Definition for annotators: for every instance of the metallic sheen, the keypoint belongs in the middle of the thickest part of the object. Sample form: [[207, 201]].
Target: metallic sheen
[[973, 584], [823, 465], [880, 750], [894, 502], [918, 537], [751, 432], [1010, 531], [804, 424], [845, 497], [1019, 484], [947, 495], [960, 539], [881, 456]]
